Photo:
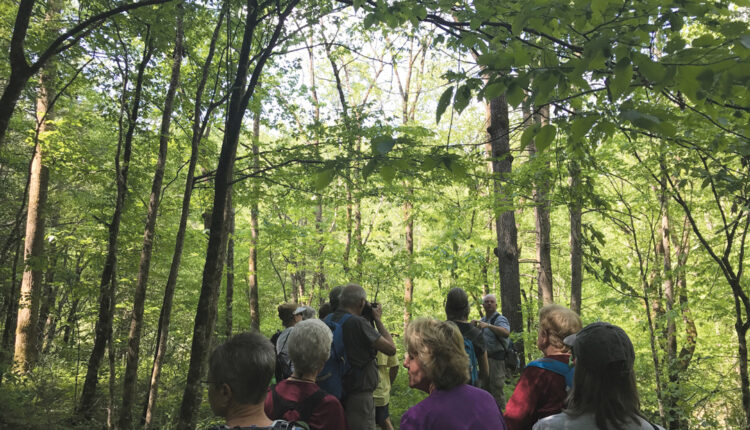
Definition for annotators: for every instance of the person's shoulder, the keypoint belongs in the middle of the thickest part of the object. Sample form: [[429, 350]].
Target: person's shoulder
[[552, 422]]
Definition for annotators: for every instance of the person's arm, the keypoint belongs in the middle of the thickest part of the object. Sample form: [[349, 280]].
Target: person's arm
[[497, 330], [392, 373], [522, 404], [384, 343], [484, 366]]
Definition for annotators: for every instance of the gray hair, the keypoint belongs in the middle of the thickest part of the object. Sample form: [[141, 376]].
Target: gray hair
[[351, 296], [307, 312], [309, 346]]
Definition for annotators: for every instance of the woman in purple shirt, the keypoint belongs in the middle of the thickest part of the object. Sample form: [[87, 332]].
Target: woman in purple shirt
[[437, 364]]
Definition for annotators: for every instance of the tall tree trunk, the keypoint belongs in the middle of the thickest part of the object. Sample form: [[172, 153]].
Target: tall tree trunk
[[107, 285], [229, 296], [540, 195], [139, 300], [242, 92], [575, 211], [198, 128], [252, 288], [498, 148], [25, 353], [9, 329], [49, 298], [349, 224], [409, 245], [73, 311]]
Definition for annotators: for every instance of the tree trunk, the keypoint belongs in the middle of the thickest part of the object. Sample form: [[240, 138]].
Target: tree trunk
[[229, 296], [28, 307], [498, 148], [575, 209], [49, 299], [107, 285], [409, 245], [198, 129], [207, 303], [252, 290], [540, 195], [9, 330], [349, 223], [144, 266]]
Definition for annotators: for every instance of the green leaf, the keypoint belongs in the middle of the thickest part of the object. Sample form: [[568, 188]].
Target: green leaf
[[528, 135], [428, 164], [323, 178], [545, 136], [620, 83], [463, 97], [580, 127], [445, 99], [639, 119], [745, 40], [387, 173], [652, 71], [369, 168], [357, 4], [383, 144], [494, 90], [515, 94]]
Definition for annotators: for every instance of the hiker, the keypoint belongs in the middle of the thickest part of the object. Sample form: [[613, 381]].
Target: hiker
[[361, 342], [457, 312], [604, 393], [437, 365], [387, 371], [496, 330], [541, 391], [332, 304], [283, 363], [239, 373], [298, 398]]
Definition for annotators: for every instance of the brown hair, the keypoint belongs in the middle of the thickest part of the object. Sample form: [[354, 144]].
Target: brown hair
[[558, 322], [439, 347]]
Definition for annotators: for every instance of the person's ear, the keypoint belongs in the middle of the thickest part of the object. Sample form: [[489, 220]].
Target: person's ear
[[224, 395]]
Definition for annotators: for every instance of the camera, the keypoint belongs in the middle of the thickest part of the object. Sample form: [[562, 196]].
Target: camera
[[367, 311]]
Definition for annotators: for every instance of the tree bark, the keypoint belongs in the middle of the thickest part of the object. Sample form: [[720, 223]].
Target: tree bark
[[229, 296], [207, 302], [49, 298], [9, 329], [540, 195], [26, 351], [252, 290], [409, 245], [198, 128], [575, 211], [107, 284], [498, 149], [144, 266]]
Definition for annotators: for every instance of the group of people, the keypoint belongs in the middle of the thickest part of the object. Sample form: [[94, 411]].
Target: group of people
[[459, 363]]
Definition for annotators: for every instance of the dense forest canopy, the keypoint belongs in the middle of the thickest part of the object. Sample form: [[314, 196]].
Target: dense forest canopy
[[173, 170]]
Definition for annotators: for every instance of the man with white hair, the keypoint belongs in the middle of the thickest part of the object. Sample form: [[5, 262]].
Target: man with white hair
[[496, 330]]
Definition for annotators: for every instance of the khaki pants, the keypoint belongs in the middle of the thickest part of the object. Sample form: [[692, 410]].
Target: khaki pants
[[494, 384], [360, 411]]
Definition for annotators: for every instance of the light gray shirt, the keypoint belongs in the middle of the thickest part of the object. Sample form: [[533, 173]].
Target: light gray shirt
[[282, 349], [490, 339], [563, 421]]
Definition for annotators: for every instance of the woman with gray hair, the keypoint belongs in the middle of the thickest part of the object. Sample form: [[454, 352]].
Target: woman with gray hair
[[298, 398], [437, 364]]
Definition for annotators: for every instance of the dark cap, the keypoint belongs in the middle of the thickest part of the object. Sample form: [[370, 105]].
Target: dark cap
[[286, 312], [599, 344]]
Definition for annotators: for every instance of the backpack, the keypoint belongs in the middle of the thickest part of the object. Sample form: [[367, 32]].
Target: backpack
[[512, 361], [558, 367], [283, 370], [331, 378], [295, 411], [473, 362], [276, 425]]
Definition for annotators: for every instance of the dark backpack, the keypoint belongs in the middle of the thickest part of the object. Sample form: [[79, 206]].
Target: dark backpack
[[558, 367], [473, 362], [331, 378], [283, 370], [509, 353], [295, 411]]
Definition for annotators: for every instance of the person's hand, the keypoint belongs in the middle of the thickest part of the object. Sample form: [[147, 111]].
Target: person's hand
[[377, 311], [474, 322]]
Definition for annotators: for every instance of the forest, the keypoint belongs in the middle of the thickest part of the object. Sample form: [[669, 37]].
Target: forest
[[171, 171]]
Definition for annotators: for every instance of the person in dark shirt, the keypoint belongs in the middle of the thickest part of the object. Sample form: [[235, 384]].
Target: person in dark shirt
[[362, 342], [457, 312]]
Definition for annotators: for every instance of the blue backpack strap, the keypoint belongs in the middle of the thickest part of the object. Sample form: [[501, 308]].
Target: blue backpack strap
[[555, 366]]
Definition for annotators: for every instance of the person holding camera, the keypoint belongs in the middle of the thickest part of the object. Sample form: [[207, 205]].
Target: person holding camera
[[361, 341]]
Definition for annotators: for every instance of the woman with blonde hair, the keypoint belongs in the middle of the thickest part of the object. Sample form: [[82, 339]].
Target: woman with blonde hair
[[437, 364]]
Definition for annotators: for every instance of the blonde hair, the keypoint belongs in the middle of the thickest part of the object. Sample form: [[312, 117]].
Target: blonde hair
[[439, 347], [558, 322]]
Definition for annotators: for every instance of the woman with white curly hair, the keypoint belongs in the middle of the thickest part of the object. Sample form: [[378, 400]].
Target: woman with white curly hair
[[298, 398]]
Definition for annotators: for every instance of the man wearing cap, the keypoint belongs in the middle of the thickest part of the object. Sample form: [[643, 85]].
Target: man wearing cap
[[604, 391], [495, 329], [288, 320]]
